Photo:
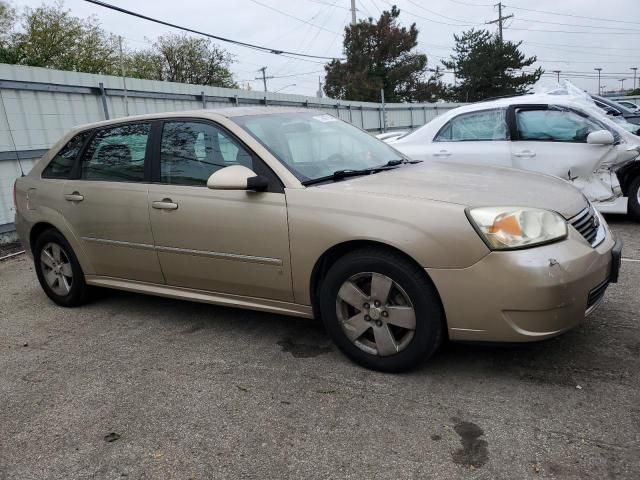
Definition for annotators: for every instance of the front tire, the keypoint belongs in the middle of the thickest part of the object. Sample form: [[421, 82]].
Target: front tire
[[381, 310], [634, 199], [58, 270]]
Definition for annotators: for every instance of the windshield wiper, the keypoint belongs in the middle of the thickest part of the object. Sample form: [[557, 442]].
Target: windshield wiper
[[400, 161], [340, 174]]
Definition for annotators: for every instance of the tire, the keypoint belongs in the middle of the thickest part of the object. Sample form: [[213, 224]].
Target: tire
[[387, 342], [634, 199], [58, 270]]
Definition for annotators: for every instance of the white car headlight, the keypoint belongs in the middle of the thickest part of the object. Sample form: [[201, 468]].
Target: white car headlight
[[505, 228]]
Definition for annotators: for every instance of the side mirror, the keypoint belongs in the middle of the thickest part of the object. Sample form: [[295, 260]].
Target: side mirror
[[237, 177], [600, 137]]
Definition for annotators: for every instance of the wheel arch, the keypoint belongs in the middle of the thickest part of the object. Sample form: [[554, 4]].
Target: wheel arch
[[334, 253], [37, 230], [60, 225]]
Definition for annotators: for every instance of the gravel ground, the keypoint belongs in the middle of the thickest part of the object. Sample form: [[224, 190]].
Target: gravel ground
[[140, 387]]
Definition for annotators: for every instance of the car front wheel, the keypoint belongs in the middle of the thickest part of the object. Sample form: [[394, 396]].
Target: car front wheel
[[58, 270], [381, 310]]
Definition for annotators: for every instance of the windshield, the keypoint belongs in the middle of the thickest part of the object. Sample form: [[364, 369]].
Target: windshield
[[314, 145]]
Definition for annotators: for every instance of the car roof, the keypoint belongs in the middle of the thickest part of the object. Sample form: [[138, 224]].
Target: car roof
[[209, 113]]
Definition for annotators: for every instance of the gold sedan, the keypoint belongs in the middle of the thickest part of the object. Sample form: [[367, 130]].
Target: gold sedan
[[296, 212]]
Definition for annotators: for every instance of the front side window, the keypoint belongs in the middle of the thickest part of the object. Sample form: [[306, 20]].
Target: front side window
[[475, 126], [191, 151], [313, 145], [117, 154], [555, 124], [62, 164]]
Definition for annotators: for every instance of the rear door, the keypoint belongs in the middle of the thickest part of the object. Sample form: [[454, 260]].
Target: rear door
[[106, 203], [225, 241], [480, 137], [552, 139]]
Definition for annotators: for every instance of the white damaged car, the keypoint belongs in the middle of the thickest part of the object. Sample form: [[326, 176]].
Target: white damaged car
[[546, 133]]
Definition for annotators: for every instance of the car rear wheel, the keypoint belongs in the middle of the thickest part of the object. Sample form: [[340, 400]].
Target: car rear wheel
[[381, 310], [634, 199], [58, 270]]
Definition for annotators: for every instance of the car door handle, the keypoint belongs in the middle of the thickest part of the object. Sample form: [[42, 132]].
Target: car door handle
[[442, 153], [73, 197], [164, 204], [525, 154]]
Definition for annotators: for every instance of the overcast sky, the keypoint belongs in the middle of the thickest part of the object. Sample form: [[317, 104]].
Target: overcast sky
[[611, 42]]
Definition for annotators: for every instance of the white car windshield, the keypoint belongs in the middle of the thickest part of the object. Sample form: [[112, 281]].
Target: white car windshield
[[315, 145]]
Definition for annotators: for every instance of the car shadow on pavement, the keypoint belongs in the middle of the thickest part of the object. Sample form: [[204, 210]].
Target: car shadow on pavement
[[565, 360]]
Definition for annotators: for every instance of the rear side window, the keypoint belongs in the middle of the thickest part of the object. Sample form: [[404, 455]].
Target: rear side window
[[62, 164], [554, 125], [475, 126], [117, 154]]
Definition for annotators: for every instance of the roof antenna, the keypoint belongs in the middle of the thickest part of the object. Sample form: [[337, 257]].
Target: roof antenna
[[13, 141]]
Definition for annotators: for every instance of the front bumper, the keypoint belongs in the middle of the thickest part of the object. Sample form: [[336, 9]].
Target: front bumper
[[527, 295]]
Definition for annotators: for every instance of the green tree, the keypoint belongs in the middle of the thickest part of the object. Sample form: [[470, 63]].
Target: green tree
[[192, 60], [380, 55], [51, 37], [632, 93], [146, 64], [487, 67], [7, 22]]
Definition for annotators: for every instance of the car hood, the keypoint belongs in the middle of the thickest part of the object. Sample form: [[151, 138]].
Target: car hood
[[470, 185]]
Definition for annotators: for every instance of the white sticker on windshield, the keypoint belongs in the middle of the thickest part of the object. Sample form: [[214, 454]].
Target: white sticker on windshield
[[325, 118]]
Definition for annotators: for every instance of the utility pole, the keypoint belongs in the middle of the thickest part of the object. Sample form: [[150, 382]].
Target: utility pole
[[500, 20], [353, 12], [264, 77], [557, 72], [635, 71], [319, 87], [598, 69], [124, 80]]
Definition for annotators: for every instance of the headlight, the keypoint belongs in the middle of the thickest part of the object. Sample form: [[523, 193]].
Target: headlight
[[505, 228]]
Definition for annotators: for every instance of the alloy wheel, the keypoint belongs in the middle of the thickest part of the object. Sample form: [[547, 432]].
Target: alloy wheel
[[56, 269], [376, 314]]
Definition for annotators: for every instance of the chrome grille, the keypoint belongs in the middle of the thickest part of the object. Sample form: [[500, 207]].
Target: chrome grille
[[587, 223]]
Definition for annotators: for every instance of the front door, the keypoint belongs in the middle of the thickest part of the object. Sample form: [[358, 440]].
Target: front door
[[233, 242], [553, 140], [107, 207]]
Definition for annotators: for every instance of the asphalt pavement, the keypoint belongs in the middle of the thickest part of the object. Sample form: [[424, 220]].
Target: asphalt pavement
[[139, 387]]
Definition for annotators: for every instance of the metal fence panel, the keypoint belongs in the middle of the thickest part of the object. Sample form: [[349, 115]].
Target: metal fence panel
[[39, 105]]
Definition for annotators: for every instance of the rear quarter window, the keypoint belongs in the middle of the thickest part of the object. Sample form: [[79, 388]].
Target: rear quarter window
[[61, 164]]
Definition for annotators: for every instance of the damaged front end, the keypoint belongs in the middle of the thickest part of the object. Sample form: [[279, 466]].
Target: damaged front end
[[607, 186]]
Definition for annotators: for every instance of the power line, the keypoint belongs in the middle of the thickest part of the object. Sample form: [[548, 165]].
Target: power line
[[468, 22], [575, 32], [460, 2], [431, 19], [328, 4], [292, 16], [570, 15], [198, 32], [590, 47], [520, 19]]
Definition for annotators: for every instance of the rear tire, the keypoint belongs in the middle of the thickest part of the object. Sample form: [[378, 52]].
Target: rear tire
[[381, 310], [58, 270], [633, 195]]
